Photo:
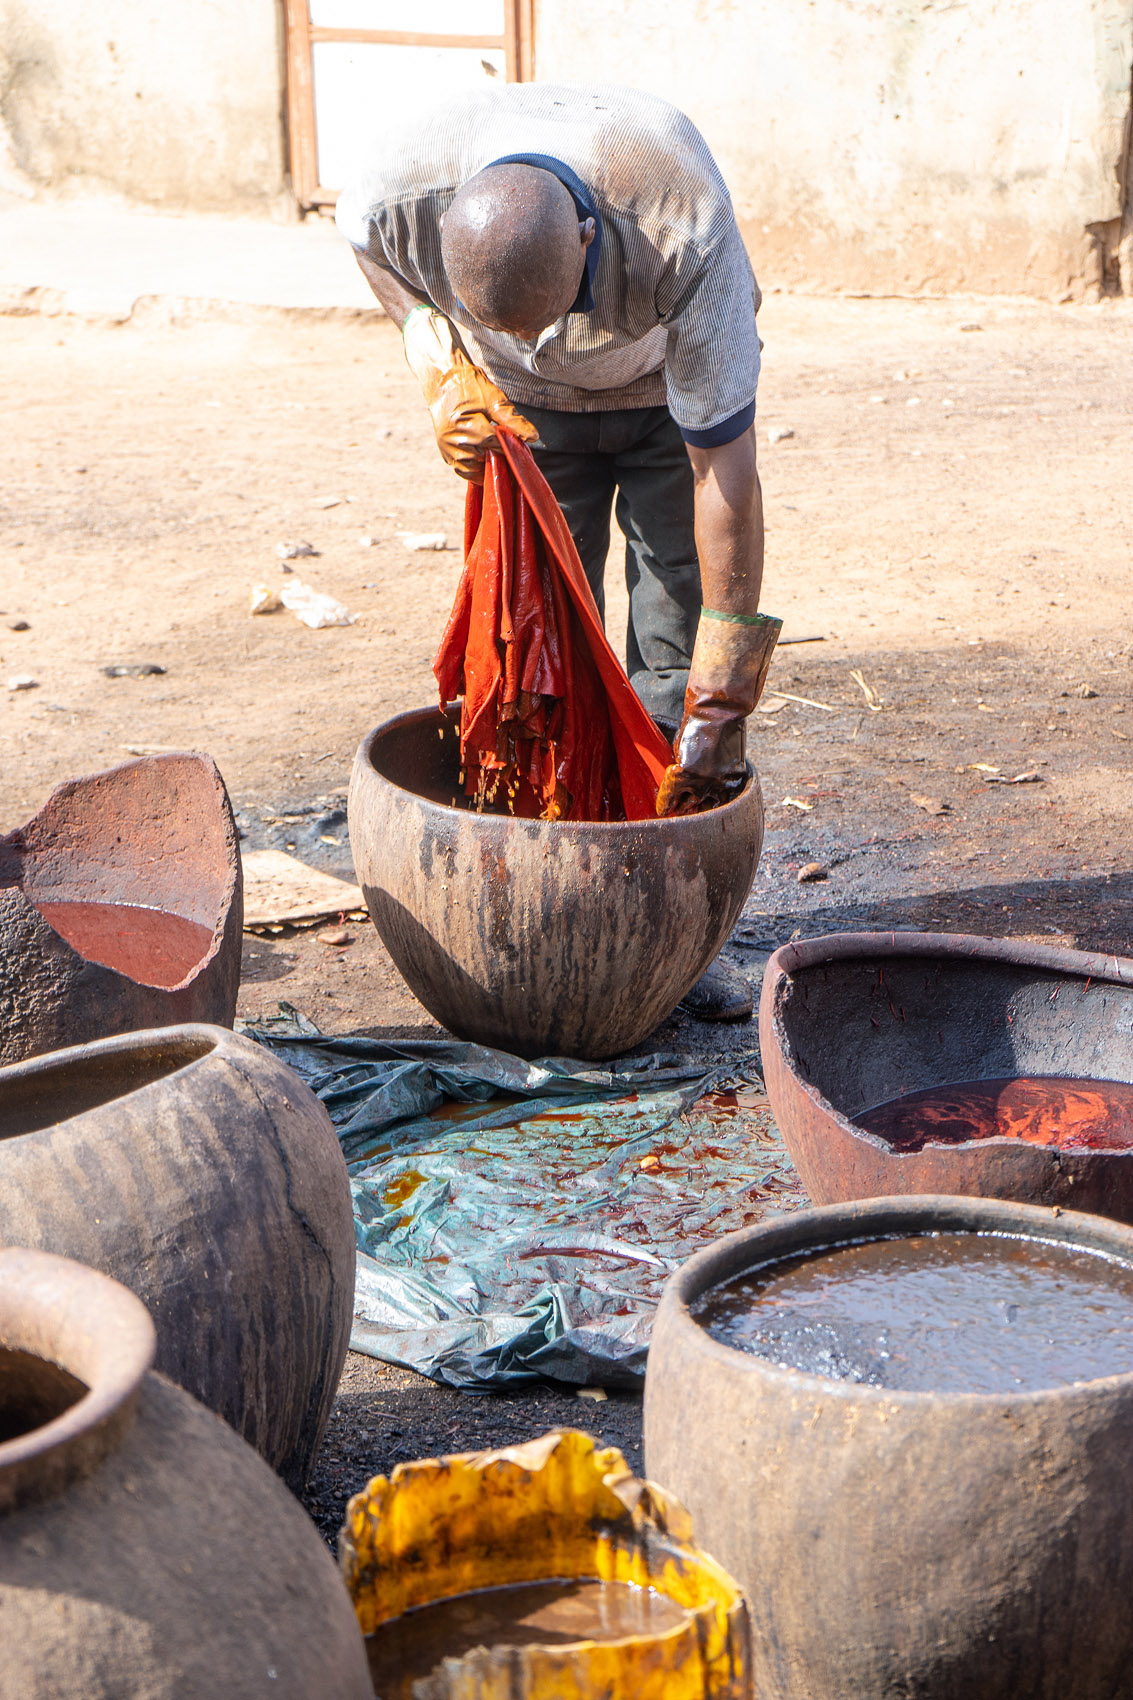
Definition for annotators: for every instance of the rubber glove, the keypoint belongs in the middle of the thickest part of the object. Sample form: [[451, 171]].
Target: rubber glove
[[464, 404], [729, 667]]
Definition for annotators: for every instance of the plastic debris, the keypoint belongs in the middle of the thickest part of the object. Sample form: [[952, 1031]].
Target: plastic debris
[[294, 551], [417, 540], [796, 803], [18, 626], [22, 682], [811, 872], [327, 501], [314, 607], [264, 600], [1031, 777], [779, 433], [367, 542], [133, 670]]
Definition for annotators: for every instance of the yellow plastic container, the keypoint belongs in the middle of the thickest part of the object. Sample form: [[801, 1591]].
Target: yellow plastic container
[[556, 1508]]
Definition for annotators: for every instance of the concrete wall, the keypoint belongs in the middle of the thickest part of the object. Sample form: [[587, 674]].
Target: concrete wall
[[904, 145], [173, 102]]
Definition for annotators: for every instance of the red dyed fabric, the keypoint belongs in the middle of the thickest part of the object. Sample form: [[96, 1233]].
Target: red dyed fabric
[[549, 725]]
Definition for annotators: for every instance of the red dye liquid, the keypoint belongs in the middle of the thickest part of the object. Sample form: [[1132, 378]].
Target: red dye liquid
[[1073, 1115], [151, 946]]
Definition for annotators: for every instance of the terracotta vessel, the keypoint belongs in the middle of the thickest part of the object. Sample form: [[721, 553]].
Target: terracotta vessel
[[120, 907], [902, 1545], [565, 938], [856, 1019], [146, 1553], [193, 1166]]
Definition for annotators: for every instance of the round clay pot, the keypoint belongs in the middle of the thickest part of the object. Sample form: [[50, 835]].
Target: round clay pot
[[193, 1166], [140, 866], [571, 938], [902, 1545], [146, 1553], [853, 1020]]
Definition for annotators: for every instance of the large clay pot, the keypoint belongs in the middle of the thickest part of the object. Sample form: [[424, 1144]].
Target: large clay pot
[[156, 842], [544, 938], [853, 1020], [146, 1553], [193, 1166], [902, 1545]]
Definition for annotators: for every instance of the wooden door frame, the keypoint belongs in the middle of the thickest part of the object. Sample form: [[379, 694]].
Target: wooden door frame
[[301, 35]]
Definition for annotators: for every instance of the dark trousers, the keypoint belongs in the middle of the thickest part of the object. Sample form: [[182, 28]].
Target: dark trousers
[[639, 456]]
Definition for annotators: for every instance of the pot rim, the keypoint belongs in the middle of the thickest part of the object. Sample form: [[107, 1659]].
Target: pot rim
[[1018, 953], [364, 762], [95, 1328], [863, 1220], [790, 959], [141, 1040]]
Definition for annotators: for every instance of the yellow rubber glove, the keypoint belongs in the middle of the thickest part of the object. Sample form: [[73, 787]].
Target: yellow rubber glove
[[463, 402], [729, 667]]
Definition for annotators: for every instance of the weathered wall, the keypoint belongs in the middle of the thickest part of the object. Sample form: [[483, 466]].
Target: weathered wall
[[920, 145], [173, 102]]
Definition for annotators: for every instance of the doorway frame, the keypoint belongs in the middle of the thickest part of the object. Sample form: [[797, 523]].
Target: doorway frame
[[301, 37]]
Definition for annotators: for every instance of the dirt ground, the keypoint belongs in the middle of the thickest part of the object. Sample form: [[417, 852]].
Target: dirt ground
[[951, 515]]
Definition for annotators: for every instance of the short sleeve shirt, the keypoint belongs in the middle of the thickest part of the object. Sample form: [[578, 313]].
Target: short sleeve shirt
[[666, 314]]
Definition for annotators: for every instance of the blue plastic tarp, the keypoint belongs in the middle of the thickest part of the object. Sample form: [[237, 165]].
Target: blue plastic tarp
[[517, 1220]]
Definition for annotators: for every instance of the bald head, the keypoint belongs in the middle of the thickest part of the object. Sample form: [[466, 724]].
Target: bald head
[[514, 249]]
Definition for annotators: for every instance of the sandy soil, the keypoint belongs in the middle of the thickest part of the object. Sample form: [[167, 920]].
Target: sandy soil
[[951, 514]]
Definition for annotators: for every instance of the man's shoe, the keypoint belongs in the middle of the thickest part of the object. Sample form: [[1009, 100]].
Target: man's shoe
[[721, 994]]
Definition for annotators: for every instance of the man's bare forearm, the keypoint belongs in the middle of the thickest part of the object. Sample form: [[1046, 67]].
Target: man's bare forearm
[[393, 292], [729, 525]]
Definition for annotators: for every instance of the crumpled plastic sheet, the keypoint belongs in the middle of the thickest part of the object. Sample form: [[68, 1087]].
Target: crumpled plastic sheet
[[507, 1231]]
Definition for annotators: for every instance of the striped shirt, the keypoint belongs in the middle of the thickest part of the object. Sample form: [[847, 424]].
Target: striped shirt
[[666, 311]]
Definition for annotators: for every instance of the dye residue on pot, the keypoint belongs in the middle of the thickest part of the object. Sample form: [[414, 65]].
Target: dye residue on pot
[[1072, 1115], [935, 1313], [410, 1648], [149, 945]]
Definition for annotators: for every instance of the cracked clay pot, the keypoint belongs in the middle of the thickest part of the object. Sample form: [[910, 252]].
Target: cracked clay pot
[[146, 1553], [120, 907], [562, 938], [193, 1166]]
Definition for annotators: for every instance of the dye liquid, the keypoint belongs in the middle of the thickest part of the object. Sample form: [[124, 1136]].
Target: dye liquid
[[1074, 1115], [935, 1313], [551, 1614], [151, 946]]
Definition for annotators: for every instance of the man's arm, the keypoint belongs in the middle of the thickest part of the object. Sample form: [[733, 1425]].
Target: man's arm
[[734, 641], [464, 404], [729, 524], [393, 292]]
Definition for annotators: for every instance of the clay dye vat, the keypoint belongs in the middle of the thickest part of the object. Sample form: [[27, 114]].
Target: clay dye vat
[[151, 946], [1071, 1115], [851, 1023], [935, 1313], [562, 1613]]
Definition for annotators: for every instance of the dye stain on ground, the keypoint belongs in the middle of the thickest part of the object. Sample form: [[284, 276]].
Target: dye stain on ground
[[408, 1649], [1072, 1115], [935, 1313], [152, 947]]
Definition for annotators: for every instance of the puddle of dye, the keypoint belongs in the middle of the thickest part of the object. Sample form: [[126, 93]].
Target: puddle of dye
[[151, 946], [944, 1312], [1072, 1115], [551, 1614], [33, 1391]]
